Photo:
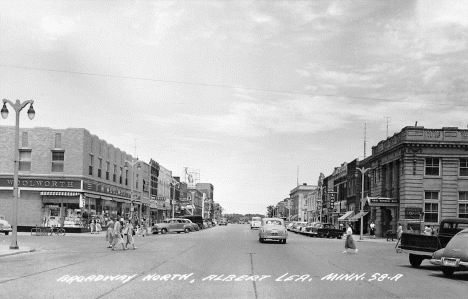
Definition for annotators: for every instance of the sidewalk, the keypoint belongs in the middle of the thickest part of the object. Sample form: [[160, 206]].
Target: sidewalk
[[376, 240], [5, 250]]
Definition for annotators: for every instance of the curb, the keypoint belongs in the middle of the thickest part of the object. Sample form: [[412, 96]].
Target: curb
[[16, 252]]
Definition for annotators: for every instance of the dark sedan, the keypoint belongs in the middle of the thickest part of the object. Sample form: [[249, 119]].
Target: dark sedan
[[454, 257]]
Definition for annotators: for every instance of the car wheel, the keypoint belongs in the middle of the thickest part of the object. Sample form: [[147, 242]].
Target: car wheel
[[284, 241], [260, 239], [6, 233], [187, 230], [163, 231], [448, 271], [415, 260]]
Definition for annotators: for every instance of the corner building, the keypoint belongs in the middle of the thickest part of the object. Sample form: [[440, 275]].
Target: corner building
[[418, 177], [69, 176]]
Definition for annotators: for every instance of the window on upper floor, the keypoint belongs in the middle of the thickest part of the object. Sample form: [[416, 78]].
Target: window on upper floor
[[463, 167], [463, 204], [114, 175], [121, 174], [126, 177], [58, 158], [99, 167], [24, 160], [91, 164], [431, 206], [432, 166], [107, 170]]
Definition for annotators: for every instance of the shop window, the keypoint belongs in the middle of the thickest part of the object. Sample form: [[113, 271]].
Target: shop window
[[58, 158], [432, 166], [431, 206], [91, 163], [99, 168], [463, 167], [107, 170], [24, 160], [463, 204]]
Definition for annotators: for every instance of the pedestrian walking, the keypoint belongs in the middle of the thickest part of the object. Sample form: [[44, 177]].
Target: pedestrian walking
[[372, 229], [399, 231], [110, 232], [349, 243], [118, 237], [144, 227], [128, 233], [98, 226], [92, 225]]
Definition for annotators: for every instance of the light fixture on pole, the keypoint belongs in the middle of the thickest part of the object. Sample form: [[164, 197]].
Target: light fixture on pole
[[18, 106], [132, 164], [363, 172]]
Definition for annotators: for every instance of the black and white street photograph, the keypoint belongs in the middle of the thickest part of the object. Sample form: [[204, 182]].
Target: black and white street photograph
[[224, 149]]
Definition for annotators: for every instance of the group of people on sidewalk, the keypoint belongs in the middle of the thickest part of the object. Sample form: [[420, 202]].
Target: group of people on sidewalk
[[122, 232]]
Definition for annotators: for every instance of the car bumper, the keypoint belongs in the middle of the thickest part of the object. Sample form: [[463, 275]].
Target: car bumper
[[456, 263], [273, 237]]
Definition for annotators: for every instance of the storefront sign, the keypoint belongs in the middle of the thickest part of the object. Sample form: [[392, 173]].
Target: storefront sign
[[41, 183], [383, 200], [106, 189], [413, 212]]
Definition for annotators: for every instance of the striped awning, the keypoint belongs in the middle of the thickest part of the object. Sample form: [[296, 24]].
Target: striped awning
[[58, 193], [345, 216]]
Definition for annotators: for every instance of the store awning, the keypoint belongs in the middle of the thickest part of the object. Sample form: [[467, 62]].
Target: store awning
[[91, 195], [293, 218], [346, 215], [357, 216], [54, 193]]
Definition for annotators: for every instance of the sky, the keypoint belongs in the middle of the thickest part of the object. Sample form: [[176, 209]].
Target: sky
[[256, 95]]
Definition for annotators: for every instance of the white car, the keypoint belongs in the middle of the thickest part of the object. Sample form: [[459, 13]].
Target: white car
[[256, 222], [272, 229], [5, 227]]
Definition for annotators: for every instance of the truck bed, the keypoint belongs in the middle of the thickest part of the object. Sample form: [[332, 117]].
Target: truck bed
[[418, 242]]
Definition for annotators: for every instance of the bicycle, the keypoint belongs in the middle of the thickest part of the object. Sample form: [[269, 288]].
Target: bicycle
[[59, 231]]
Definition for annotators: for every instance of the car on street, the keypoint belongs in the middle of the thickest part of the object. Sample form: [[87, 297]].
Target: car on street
[[193, 226], [308, 228], [223, 221], [272, 229], [290, 224], [297, 226], [5, 227], [255, 222], [454, 257], [171, 225]]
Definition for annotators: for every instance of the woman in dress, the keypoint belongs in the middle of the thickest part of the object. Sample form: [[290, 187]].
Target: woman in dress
[[349, 243], [117, 237], [372, 229], [92, 225], [98, 226], [110, 232], [128, 237]]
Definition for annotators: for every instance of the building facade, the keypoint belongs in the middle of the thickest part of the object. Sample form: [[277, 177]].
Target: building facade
[[298, 197], [69, 176], [418, 177]]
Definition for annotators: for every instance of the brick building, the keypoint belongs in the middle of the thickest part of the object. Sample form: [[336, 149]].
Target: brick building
[[69, 175]]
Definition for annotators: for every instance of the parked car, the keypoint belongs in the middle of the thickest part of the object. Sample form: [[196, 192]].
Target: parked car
[[5, 227], [255, 222], [171, 225], [198, 219], [297, 226], [193, 226], [272, 229], [328, 230], [223, 221], [454, 257], [421, 247], [308, 228], [290, 224]]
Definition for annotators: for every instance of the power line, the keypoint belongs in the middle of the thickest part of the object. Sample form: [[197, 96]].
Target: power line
[[224, 86]]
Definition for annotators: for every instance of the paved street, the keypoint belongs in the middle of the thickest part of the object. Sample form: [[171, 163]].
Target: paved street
[[220, 262]]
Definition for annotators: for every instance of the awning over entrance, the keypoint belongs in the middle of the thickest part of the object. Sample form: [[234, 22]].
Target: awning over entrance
[[53, 193], [382, 201], [345, 216], [357, 216], [293, 218]]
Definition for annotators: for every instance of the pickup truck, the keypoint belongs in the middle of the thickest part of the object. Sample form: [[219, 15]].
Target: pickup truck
[[421, 247], [323, 230]]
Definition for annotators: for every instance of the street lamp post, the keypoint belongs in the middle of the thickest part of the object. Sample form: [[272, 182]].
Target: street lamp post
[[363, 172], [132, 164], [18, 106]]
